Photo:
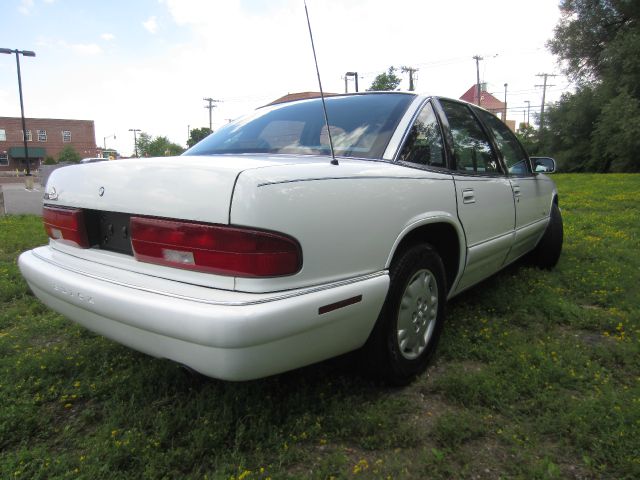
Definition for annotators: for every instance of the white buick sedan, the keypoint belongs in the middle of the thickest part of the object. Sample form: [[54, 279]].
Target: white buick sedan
[[257, 252]]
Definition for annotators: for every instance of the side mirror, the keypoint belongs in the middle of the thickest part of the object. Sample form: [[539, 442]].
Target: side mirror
[[543, 164]]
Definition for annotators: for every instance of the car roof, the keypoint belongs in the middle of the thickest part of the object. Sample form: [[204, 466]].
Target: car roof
[[337, 95], [424, 96]]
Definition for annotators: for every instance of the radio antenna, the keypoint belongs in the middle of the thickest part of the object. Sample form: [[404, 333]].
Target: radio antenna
[[334, 161]]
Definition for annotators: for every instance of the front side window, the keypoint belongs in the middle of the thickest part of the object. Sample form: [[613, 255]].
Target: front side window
[[361, 127], [514, 155], [423, 145], [3, 135], [4, 159], [42, 135], [29, 137], [66, 135], [472, 149]]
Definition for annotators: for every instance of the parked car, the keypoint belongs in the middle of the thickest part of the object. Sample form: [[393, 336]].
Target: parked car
[[93, 160], [256, 252]]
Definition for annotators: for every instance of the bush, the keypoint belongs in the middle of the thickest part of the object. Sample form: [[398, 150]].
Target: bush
[[68, 154]]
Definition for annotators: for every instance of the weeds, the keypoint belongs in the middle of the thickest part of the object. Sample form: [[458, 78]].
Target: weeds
[[537, 376]]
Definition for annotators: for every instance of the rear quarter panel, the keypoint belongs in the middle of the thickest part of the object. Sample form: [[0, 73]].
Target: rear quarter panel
[[347, 218]]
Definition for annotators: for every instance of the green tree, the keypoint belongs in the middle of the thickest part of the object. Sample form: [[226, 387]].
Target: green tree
[[595, 128], [162, 147], [143, 142], [569, 127], [616, 139], [69, 155], [198, 134], [587, 32], [621, 64], [385, 81], [149, 146], [528, 138]]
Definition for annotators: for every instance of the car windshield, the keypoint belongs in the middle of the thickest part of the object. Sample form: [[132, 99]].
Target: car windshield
[[361, 126]]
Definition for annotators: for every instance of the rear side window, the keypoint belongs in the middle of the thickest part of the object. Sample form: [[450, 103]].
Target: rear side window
[[423, 145], [472, 149], [514, 155]]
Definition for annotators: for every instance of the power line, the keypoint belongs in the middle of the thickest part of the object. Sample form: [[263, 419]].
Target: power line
[[415, 68], [532, 90], [453, 60]]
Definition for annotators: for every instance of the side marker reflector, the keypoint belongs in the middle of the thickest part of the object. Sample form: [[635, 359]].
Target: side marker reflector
[[341, 304]]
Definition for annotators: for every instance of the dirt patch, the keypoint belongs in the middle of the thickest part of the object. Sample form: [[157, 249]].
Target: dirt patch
[[589, 338], [442, 369]]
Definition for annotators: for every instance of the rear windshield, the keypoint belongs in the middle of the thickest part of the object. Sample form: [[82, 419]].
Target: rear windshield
[[361, 126]]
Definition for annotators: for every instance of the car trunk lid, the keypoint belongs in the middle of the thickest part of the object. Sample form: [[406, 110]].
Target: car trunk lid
[[189, 188]]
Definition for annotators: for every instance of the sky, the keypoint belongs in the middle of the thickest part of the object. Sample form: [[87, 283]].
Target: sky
[[148, 64]]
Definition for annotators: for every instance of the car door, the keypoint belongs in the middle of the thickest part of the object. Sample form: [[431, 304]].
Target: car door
[[531, 192], [484, 193]]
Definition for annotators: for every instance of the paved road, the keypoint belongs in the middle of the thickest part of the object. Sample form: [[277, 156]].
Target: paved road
[[18, 199]]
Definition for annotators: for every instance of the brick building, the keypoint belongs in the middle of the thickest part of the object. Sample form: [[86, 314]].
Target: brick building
[[488, 102], [290, 97], [46, 137]]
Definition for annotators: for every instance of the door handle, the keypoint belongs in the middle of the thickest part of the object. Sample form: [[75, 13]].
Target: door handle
[[516, 190], [468, 196]]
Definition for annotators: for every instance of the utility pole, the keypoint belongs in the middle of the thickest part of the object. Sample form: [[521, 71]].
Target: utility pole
[[504, 119], [135, 140], [544, 93], [411, 71], [528, 109], [477, 58], [211, 106]]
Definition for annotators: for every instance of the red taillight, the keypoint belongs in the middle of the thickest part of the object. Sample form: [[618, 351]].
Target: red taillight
[[66, 225], [214, 248]]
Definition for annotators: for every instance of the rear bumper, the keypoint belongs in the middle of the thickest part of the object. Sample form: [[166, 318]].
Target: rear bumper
[[222, 334]]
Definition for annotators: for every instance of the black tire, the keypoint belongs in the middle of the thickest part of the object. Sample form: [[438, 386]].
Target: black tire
[[395, 354], [547, 252]]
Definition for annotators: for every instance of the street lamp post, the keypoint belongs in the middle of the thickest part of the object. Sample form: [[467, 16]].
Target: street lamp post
[[135, 140], [26, 53], [104, 140], [350, 74]]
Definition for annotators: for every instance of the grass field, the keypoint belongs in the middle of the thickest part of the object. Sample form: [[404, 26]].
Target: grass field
[[537, 376]]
